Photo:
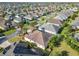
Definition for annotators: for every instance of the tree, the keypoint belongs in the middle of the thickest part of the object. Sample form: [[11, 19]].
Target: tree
[[1, 31], [33, 23], [55, 53], [1, 49], [32, 45], [54, 42], [64, 53]]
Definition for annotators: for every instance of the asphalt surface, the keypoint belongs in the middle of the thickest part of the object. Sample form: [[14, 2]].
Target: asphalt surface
[[5, 38], [9, 36], [10, 51]]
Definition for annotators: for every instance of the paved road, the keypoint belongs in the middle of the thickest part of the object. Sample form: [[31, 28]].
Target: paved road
[[14, 34], [10, 36], [5, 38]]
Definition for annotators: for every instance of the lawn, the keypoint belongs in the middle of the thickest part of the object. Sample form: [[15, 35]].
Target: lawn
[[9, 32], [1, 49], [15, 39], [66, 47]]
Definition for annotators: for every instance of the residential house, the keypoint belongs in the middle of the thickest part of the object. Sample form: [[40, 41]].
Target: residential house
[[29, 17], [63, 15], [2, 23], [7, 17], [49, 28], [17, 19], [75, 24], [76, 36], [38, 37], [55, 22]]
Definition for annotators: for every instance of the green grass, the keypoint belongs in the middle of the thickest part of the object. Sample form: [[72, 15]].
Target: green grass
[[1, 49], [9, 32], [66, 47], [15, 39]]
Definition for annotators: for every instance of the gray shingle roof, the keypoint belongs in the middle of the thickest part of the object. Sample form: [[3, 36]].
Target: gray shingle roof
[[76, 22], [63, 15], [76, 36], [49, 27]]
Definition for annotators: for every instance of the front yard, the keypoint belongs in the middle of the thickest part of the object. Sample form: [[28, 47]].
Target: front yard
[[9, 32], [1, 49], [15, 39]]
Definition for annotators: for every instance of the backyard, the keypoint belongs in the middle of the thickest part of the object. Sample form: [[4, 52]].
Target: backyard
[[64, 47]]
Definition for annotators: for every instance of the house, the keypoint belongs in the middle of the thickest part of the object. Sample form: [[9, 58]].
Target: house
[[76, 36], [2, 23], [29, 17], [7, 17], [8, 24], [39, 38], [64, 14], [55, 22], [49, 28], [75, 24], [17, 19]]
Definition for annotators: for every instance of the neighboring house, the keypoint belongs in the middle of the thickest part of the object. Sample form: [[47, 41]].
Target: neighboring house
[[38, 37], [75, 24], [76, 36], [63, 15], [2, 23], [50, 28], [8, 24], [29, 17], [17, 19], [55, 22], [7, 17]]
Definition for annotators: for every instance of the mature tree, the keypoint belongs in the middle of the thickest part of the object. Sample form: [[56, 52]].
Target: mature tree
[[64, 53], [54, 42], [33, 23]]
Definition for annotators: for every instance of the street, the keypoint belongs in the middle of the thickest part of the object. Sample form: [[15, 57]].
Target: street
[[10, 36]]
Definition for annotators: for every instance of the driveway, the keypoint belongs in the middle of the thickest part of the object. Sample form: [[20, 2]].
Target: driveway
[[10, 51]]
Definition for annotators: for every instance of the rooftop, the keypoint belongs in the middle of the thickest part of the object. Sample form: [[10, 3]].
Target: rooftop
[[54, 21], [39, 37], [49, 27]]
